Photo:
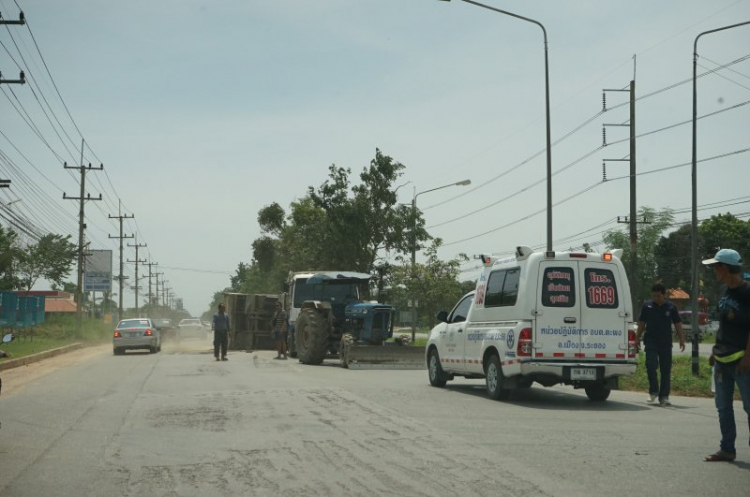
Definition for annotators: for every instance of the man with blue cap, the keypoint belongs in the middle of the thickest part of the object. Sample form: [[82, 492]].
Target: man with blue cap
[[731, 354]]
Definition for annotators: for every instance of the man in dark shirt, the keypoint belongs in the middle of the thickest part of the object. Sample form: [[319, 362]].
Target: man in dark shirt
[[730, 356], [278, 322], [220, 325], [657, 317]]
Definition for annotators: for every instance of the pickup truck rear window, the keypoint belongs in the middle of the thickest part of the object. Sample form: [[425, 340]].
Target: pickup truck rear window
[[601, 289], [559, 287], [502, 288]]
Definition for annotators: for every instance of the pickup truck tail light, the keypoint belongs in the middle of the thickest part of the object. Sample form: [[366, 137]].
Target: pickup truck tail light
[[524, 343], [148, 332], [117, 334], [632, 344]]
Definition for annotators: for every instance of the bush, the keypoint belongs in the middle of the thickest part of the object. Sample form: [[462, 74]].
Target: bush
[[64, 328]]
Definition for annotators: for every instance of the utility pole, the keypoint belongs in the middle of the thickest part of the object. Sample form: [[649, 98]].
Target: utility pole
[[81, 227], [150, 295], [5, 183], [632, 219], [121, 277], [164, 292], [137, 261], [21, 77], [157, 286]]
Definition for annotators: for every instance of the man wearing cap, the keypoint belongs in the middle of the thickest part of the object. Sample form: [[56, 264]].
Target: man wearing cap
[[730, 356]]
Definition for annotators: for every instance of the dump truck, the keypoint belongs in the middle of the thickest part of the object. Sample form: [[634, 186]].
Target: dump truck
[[329, 316]]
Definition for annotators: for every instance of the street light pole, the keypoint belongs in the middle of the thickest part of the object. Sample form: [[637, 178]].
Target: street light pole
[[547, 105], [414, 248], [694, 224]]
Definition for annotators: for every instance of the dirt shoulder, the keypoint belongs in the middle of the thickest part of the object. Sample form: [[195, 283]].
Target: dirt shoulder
[[16, 379]]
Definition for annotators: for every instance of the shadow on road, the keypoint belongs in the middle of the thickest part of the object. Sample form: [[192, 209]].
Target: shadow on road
[[545, 398]]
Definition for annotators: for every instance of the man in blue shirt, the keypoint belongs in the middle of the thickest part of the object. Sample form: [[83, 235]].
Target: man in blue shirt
[[730, 356], [657, 317], [220, 325]]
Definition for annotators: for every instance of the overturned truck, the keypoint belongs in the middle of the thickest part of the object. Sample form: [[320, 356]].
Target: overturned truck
[[250, 318], [330, 316]]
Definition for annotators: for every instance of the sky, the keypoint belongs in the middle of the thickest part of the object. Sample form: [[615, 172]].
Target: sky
[[203, 112]]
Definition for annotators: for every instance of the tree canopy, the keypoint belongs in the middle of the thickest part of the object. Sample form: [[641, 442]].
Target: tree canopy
[[341, 224]]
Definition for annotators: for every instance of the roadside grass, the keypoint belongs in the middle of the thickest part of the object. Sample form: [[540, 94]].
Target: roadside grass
[[28, 346], [683, 381], [57, 332]]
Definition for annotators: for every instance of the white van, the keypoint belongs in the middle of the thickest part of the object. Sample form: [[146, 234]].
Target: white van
[[549, 317]]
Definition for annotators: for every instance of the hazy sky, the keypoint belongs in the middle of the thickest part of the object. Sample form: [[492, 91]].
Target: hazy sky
[[205, 111]]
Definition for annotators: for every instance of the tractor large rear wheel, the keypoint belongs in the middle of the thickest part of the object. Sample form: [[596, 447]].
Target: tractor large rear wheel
[[311, 336]]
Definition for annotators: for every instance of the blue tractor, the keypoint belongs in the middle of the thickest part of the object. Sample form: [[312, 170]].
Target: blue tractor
[[339, 321]]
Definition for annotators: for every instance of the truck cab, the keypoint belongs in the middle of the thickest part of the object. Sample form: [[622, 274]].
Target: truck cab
[[545, 317]]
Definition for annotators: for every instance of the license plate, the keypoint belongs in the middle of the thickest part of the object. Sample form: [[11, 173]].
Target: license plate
[[583, 374], [132, 334]]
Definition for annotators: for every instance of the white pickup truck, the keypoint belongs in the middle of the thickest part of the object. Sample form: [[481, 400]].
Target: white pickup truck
[[549, 317]]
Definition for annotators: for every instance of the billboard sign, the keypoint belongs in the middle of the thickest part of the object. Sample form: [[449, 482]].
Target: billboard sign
[[97, 276]]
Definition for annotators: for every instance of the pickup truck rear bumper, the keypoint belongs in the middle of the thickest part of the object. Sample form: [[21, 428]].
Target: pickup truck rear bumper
[[562, 370]]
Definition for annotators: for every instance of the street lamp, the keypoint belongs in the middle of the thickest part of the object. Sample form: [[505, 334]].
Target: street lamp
[[414, 247], [694, 224], [546, 94]]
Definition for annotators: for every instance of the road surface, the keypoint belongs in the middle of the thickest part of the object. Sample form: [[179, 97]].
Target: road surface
[[178, 423]]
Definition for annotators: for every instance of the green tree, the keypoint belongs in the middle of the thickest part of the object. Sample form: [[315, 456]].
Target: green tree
[[649, 235], [363, 222], [434, 285], [720, 231], [9, 254], [672, 254], [50, 258], [239, 277]]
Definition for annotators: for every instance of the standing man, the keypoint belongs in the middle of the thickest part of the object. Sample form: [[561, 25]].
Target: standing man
[[657, 317], [730, 356], [220, 325], [278, 323]]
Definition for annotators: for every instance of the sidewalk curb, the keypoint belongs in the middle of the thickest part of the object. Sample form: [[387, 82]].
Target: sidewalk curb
[[29, 359]]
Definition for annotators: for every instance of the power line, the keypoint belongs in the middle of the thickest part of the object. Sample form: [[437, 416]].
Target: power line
[[587, 189], [577, 161], [576, 129]]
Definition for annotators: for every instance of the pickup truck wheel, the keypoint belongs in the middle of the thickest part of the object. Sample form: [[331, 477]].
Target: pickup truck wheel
[[438, 378], [494, 377], [597, 393]]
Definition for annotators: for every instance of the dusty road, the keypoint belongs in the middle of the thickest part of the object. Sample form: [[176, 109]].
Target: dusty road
[[178, 423]]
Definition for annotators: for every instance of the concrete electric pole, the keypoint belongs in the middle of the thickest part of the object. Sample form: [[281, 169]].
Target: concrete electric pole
[[81, 227], [150, 295], [632, 219], [121, 277], [137, 262]]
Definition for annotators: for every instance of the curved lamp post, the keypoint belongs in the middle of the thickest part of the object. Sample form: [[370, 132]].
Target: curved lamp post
[[694, 223], [546, 95], [414, 247]]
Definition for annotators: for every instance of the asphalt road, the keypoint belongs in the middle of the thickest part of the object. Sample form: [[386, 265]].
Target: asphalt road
[[178, 423]]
